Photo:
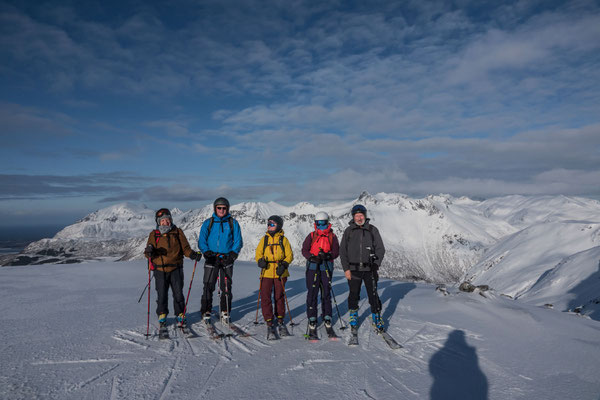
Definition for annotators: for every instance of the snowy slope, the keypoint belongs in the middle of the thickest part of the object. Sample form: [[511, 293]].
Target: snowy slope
[[77, 332]]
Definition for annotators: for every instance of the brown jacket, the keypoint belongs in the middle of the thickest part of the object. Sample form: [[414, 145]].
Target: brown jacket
[[171, 247]]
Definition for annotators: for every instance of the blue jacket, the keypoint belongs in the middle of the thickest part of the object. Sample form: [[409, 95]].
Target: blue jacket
[[220, 240]]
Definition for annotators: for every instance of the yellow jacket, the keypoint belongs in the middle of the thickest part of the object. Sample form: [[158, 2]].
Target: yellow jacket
[[273, 253]]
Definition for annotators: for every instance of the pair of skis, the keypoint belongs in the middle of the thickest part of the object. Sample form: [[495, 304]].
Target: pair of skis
[[187, 332], [389, 340], [274, 334], [313, 337], [234, 329]]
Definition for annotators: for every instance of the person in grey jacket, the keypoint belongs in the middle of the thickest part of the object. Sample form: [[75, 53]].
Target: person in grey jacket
[[361, 253]]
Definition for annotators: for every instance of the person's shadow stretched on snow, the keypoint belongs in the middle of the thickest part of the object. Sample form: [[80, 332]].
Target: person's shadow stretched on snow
[[455, 371]]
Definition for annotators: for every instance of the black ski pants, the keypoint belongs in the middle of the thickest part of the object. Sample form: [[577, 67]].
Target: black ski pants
[[164, 280], [317, 280], [211, 273], [370, 280]]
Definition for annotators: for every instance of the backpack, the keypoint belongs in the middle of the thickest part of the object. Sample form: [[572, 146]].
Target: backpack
[[266, 240], [212, 221]]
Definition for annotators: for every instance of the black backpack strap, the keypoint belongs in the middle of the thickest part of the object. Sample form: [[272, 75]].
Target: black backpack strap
[[266, 240], [212, 222], [281, 244]]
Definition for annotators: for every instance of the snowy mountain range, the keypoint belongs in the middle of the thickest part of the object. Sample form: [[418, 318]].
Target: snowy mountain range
[[544, 249]]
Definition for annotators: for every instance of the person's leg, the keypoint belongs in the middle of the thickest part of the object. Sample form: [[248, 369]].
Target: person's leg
[[209, 280], [176, 280], [265, 299]]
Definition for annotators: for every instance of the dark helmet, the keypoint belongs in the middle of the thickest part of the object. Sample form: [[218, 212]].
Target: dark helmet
[[221, 201], [277, 220], [359, 208], [160, 214]]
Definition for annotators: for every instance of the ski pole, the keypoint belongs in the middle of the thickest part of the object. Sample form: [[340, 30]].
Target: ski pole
[[335, 302], [258, 300], [143, 291], [150, 268], [227, 304], [190, 289]]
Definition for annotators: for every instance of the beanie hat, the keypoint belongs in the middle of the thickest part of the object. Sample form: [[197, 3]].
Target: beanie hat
[[278, 221]]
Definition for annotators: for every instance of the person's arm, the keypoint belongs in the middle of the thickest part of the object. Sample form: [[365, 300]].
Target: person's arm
[[259, 250], [203, 237], [289, 253], [335, 248], [379, 247], [238, 242], [306, 246]]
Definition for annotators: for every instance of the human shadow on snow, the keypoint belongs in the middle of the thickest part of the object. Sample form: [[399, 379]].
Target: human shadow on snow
[[455, 371]]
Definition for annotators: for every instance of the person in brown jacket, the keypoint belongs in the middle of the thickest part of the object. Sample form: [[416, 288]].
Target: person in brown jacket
[[165, 249]]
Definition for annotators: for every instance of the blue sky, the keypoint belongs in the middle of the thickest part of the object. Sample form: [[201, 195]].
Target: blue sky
[[174, 105]]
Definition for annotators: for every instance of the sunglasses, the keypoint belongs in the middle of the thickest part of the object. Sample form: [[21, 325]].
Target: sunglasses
[[271, 224], [221, 208]]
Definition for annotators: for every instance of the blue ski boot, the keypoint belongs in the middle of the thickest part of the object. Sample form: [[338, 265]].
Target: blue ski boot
[[354, 318], [377, 321]]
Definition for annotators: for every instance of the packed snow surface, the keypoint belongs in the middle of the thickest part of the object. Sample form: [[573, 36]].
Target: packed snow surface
[[76, 331]]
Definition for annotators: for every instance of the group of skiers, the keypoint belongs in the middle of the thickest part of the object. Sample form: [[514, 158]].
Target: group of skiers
[[220, 241]]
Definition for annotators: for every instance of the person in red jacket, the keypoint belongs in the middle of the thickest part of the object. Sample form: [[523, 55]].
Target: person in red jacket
[[320, 248]]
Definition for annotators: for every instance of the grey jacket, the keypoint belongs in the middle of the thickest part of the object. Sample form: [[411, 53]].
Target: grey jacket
[[354, 252]]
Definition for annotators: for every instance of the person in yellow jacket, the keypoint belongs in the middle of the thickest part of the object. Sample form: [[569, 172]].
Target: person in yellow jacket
[[274, 255]]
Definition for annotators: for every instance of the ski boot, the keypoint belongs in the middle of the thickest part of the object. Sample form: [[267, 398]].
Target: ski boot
[[163, 331], [377, 321], [354, 321], [312, 329], [329, 327], [271, 334], [162, 319], [283, 331], [206, 317], [181, 321], [225, 319]]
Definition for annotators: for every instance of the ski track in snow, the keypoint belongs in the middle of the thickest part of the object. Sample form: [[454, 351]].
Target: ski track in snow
[[513, 347]]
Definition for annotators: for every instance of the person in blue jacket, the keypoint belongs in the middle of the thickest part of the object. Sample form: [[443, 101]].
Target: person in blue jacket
[[220, 240]]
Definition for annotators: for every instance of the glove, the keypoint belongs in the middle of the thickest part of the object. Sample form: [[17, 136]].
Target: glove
[[262, 263], [210, 257], [283, 265], [321, 255], [314, 259], [231, 257], [196, 256], [328, 257], [149, 251]]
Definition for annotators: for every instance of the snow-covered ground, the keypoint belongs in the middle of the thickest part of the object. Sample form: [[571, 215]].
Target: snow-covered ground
[[76, 331]]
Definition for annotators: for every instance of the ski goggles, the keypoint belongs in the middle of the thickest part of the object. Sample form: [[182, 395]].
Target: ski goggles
[[271, 224], [161, 212], [322, 223]]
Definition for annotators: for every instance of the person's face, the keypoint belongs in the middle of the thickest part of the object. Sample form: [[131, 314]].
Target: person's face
[[359, 218], [165, 222], [271, 227], [221, 211]]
